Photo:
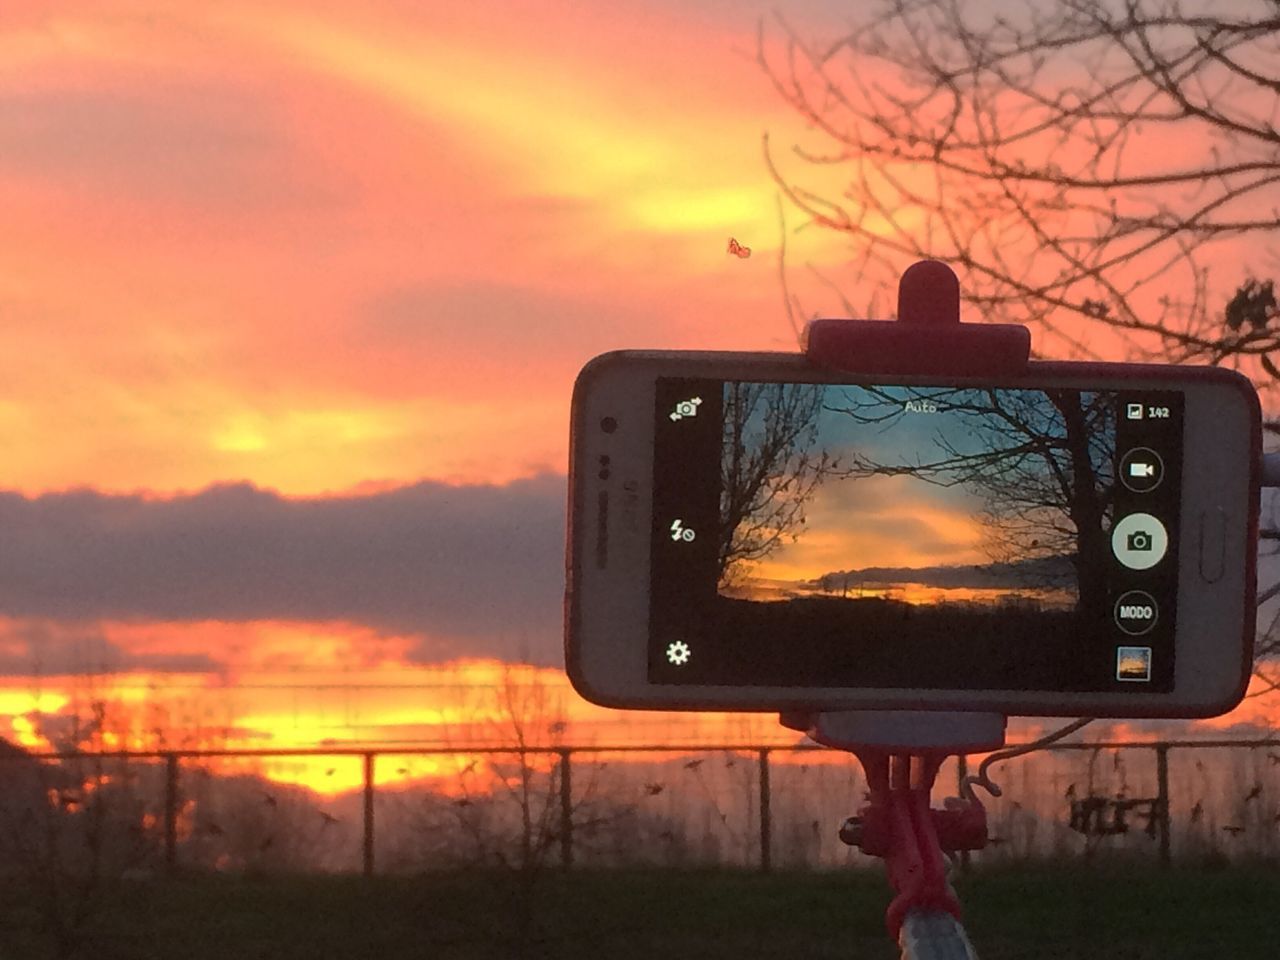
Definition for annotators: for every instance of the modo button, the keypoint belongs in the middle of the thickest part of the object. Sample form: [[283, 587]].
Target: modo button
[[1136, 613], [1139, 541]]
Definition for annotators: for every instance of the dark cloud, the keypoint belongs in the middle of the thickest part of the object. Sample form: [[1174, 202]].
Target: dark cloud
[[1050, 571], [42, 648], [482, 566]]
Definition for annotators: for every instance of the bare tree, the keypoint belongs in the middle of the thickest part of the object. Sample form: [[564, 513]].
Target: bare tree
[[1084, 162], [770, 468], [71, 831], [510, 813]]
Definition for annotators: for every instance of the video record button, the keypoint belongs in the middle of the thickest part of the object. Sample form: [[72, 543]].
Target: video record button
[[1141, 469], [1136, 613]]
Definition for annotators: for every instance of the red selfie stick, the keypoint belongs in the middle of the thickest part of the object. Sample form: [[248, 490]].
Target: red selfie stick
[[901, 752]]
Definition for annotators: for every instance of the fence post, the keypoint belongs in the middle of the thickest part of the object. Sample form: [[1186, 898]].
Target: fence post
[[170, 812], [368, 814], [962, 771], [566, 810], [1162, 792], [766, 819]]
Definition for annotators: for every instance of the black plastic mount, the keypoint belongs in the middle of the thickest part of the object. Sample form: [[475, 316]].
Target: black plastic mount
[[927, 339]]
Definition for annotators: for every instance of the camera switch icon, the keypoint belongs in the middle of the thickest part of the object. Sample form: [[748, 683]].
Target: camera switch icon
[[1139, 541], [685, 408]]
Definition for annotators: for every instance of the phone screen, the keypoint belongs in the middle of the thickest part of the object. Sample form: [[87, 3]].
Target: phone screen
[[937, 537]]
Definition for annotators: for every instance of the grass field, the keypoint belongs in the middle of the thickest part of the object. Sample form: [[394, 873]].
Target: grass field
[[1076, 912]]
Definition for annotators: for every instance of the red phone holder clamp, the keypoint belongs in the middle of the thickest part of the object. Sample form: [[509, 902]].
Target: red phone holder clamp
[[898, 825], [902, 751], [928, 337]]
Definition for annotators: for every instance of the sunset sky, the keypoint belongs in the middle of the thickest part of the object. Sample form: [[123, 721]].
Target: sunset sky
[[916, 527], [884, 521], [292, 296]]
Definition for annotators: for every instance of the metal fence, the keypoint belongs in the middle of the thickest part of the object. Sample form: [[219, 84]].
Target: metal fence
[[735, 804]]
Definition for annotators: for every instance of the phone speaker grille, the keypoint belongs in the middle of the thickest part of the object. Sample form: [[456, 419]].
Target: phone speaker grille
[[602, 530]]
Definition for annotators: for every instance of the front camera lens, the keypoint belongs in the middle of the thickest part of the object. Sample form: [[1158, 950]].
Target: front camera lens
[[608, 424]]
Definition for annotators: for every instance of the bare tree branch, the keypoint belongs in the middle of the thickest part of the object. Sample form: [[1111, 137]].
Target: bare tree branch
[[1083, 162]]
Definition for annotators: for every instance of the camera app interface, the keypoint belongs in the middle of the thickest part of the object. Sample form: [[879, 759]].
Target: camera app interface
[[863, 535]]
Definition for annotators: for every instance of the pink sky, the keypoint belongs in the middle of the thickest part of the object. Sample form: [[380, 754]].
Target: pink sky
[[320, 245]]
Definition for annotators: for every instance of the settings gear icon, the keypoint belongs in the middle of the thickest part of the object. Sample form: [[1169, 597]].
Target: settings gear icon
[[678, 653]]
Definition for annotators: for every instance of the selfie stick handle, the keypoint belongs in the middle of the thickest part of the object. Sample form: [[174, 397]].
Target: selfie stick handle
[[901, 751], [934, 936]]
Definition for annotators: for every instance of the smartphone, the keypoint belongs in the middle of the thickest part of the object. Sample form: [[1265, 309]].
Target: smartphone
[[750, 531]]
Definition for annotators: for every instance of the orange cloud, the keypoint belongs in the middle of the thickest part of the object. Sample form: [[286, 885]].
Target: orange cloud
[[319, 245], [312, 686], [875, 522]]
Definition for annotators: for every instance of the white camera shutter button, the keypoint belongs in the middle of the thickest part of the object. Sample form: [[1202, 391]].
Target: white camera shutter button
[[1213, 544], [1139, 541]]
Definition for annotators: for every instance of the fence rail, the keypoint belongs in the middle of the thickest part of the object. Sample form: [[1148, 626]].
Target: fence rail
[[1089, 812]]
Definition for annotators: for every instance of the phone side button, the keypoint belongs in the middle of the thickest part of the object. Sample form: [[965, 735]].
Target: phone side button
[[1213, 545]]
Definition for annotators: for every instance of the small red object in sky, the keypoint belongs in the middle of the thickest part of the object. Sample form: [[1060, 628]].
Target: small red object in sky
[[736, 248]]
